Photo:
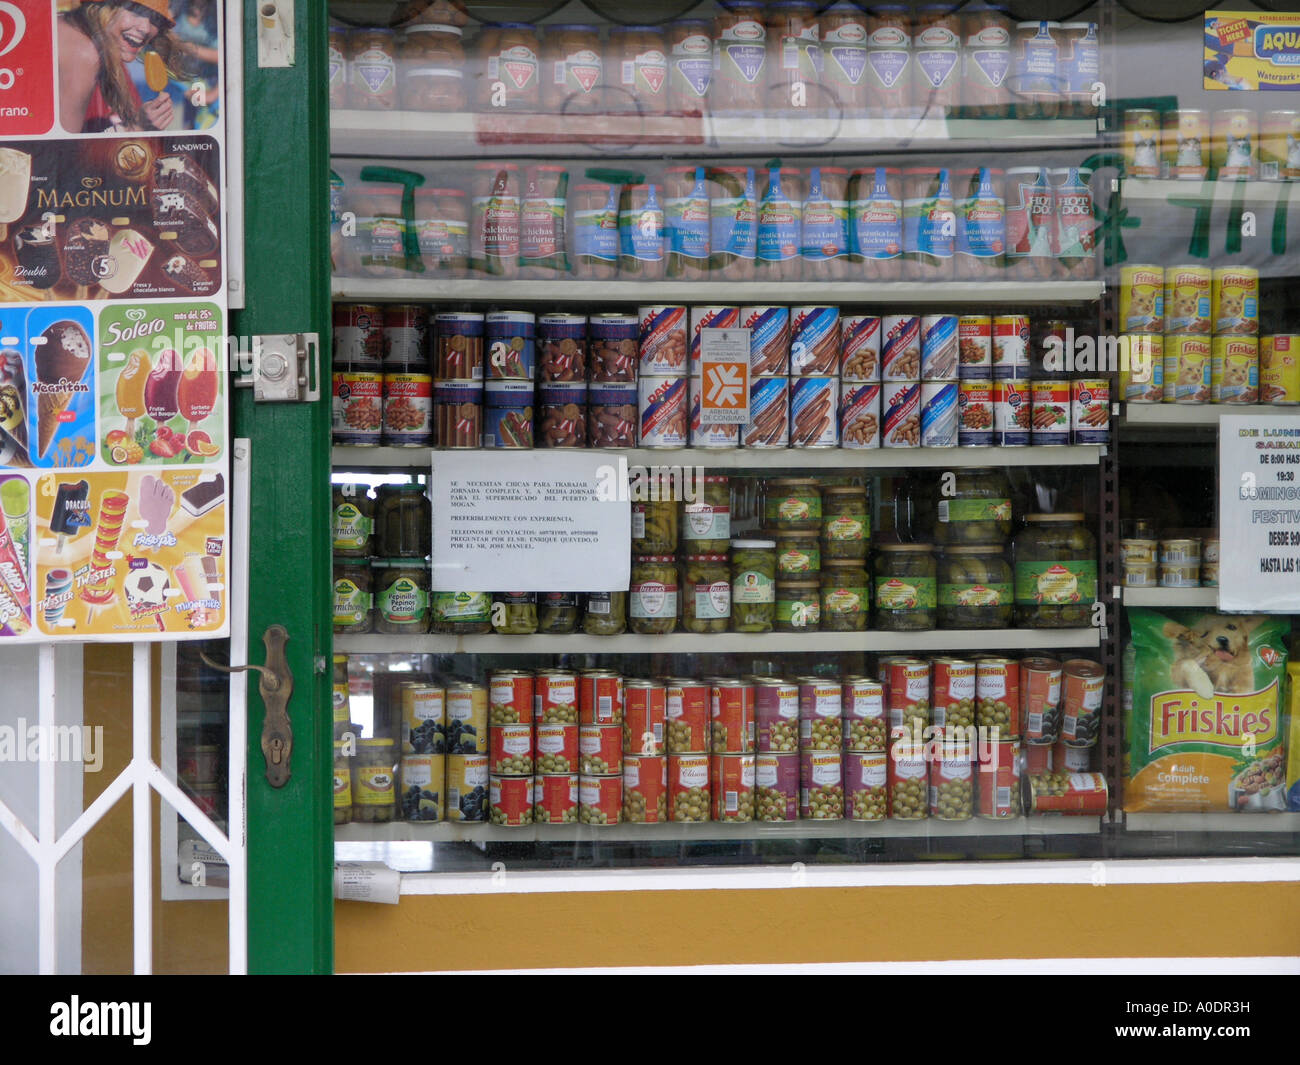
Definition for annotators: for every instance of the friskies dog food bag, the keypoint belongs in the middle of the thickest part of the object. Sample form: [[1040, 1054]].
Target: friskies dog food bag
[[1205, 729]]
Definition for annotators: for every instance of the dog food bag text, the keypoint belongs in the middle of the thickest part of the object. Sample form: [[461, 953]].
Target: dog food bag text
[[1206, 731]]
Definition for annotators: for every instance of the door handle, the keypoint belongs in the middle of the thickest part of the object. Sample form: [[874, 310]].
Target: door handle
[[275, 684]]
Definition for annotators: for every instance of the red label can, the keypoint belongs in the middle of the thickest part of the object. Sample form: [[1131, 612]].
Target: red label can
[[732, 717], [862, 701], [600, 750], [952, 784], [555, 799], [357, 411], [510, 698], [866, 785], [908, 781], [907, 693], [1085, 688], [555, 749], [1040, 700], [776, 712], [1038, 759], [997, 695], [776, 787], [510, 800], [954, 694], [999, 779], [1051, 411], [820, 714], [600, 698], [555, 698], [663, 343], [688, 705], [975, 413], [731, 781], [821, 785], [1069, 759], [510, 750], [1068, 793], [645, 790], [688, 787], [600, 800], [644, 717]]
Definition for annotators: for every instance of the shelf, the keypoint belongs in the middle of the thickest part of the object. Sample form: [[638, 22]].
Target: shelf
[[1172, 597], [408, 458], [1221, 192], [1203, 415], [943, 640], [401, 831], [428, 135], [1213, 822]]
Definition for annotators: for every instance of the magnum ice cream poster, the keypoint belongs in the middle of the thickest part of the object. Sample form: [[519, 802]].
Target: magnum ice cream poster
[[110, 219]]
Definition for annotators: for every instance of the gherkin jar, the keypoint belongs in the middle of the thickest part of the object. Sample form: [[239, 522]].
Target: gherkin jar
[[906, 588], [978, 511], [798, 554], [706, 593], [1055, 560], [514, 613], [706, 522], [557, 612], [976, 590], [403, 522], [846, 523], [753, 585], [791, 503], [652, 597], [605, 614], [845, 596], [654, 527], [798, 605]]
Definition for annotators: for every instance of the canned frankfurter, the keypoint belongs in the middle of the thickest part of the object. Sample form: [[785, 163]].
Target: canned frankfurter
[[644, 717], [688, 711]]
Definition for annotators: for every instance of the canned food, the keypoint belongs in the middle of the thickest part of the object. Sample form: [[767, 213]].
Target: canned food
[[1180, 575], [600, 800], [555, 799], [600, 750], [814, 406], [408, 410], [1279, 146], [458, 346], [1068, 759], [776, 714], [952, 782], [908, 774], [769, 339], [1040, 700], [1142, 143], [688, 787], [1234, 138], [776, 787], [644, 717], [555, 698], [1279, 369], [860, 415], [769, 413], [510, 749], [1234, 369], [508, 414], [731, 783], [510, 800], [358, 335], [424, 718], [509, 341], [423, 782], [562, 415], [975, 415], [1085, 686], [954, 694], [1141, 371], [458, 414], [645, 790], [662, 341], [901, 414], [1234, 300], [356, 411], [709, 436], [599, 698], [1083, 794], [975, 346], [862, 702], [663, 412], [467, 718], [1186, 144], [614, 347], [907, 693], [999, 779], [1037, 759], [1142, 298], [997, 695], [819, 714], [939, 347], [712, 318], [556, 749], [1051, 411], [1180, 551], [1010, 347], [821, 785], [814, 341], [1188, 369], [1089, 410], [1186, 299], [860, 348], [900, 347], [511, 697], [562, 344], [467, 787], [732, 723], [866, 785], [1140, 575], [688, 713], [938, 413]]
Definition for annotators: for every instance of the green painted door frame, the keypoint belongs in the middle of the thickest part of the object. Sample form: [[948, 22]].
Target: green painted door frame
[[286, 203]]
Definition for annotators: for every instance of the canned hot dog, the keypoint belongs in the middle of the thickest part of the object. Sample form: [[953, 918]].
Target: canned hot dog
[[975, 346], [731, 782], [860, 348], [1010, 346], [508, 415], [1051, 411], [562, 344], [860, 415], [1012, 413], [776, 787], [688, 787], [821, 785], [732, 717], [975, 413], [600, 697], [769, 413], [769, 339], [900, 347], [901, 413], [458, 414], [458, 349], [814, 406], [600, 800], [613, 350], [645, 790], [776, 713], [688, 713], [662, 341], [509, 345], [612, 415], [1040, 700], [555, 799], [866, 780], [645, 717], [709, 318], [662, 409], [814, 341], [1089, 410], [939, 347], [510, 800], [938, 413]]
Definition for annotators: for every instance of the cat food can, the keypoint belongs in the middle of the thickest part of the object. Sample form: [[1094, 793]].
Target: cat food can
[[1234, 145], [1187, 369], [1234, 373], [1142, 368], [1142, 143], [1142, 298], [1279, 146], [1187, 299], [1185, 144], [1234, 300], [1279, 369]]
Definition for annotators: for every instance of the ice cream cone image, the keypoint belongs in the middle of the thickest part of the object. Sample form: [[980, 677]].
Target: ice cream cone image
[[62, 359], [112, 516]]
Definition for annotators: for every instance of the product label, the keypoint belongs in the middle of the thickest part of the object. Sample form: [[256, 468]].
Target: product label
[[381, 237], [642, 230], [703, 521], [847, 599], [795, 561], [579, 71], [982, 222], [740, 51], [848, 62], [517, 66], [908, 593], [374, 785], [462, 606], [778, 224], [929, 225], [713, 600], [799, 613], [1075, 221], [825, 224], [376, 71], [750, 586], [987, 67], [403, 602], [443, 237], [1056, 583], [653, 599], [956, 510], [688, 219], [975, 594], [877, 229], [887, 67], [351, 604], [541, 227], [846, 527], [1030, 218], [496, 222], [596, 231], [734, 223], [351, 528], [938, 65]]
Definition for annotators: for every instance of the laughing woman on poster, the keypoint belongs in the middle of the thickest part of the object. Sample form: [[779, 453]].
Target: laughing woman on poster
[[98, 39]]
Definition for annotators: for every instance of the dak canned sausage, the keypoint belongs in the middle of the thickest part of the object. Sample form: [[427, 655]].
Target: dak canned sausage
[[555, 799], [1040, 700], [814, 402], [863, 707], [600, 800], [731, 717], [644, 717], [1234, 300], [510, 800], [860, 348], [776, 787], [975, 413], [731, 782], [769, 339], [662, 341], [769, 413], [688, 713], [1187, 294], [1234, 370], [860, 415], [866, 779], [1279, 369], [776, 712], [900, 348], [1187, 369], [814, 340], [999, 779], [688, 787], [1142, 298], [901, 411], [556, 748], [599, 700], [975, 346], [645, 790], [662, 411], [821, 785], [1089, 410]]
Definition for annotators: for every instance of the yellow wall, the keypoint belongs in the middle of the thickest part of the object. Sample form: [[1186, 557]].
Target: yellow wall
[[436, 932]]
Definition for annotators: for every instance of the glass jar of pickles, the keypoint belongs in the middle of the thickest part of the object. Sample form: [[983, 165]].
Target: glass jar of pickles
[[846, 523], [753, 585], [374, 781], [798, 605], [401, 594], [975, 588], [354, 597], [605, 614], [652, 596], [353, 516], [462, 613], [1055, 559], [514, 613], [654, 527], [557, 612], [978, 511], [845, 596], [403, 522], [706, 593], [906, 588], [798, 554], [706, 523], [791, 503]]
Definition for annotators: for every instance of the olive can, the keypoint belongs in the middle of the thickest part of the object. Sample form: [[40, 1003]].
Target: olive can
[[1081, 794], [776, 715], [1035, 758], [820, 714], [1084, 692], [510, 801], [863, 706], [555, 749], [997, 695], [954, 694], [1040, 700], [600, 695], [908, 775], [731, 784], [645, 789], [510, 750], [688, 787], [952, 783], [732, 724], [688, 715], [866, 780], [467, 718], [555, 798], [907, 693], [821, 785], [600, 799], [999, 779], [600, 750], [467, 787], [422, 787], [511, 697], [424, 718], [1071, 759], [776, 787], [645, 717]]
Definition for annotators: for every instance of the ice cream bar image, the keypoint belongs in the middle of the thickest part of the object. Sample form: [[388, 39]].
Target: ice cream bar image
[[58, 594], [12, 616], [62, 359], [205, 495], [128, 255], [155, 72], [84, 247], [112, 516], [15, 183], [71, 511], [181, 172], [145, 589], [12, 574], [193, 579]]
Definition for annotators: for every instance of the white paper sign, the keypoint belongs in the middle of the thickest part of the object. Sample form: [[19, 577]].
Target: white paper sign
[[367, 882], [1259, 513], [539, 521], [724, 376]]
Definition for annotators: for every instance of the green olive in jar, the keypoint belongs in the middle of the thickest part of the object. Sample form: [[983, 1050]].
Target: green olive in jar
[[845, 596], [906, 588], [1055, 561], [978, 510], [976, 590], [753, 585], [706, 593], [706, 521]]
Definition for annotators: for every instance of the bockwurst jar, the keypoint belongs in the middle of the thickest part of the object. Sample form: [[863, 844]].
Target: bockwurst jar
[[794, 58], [431, 67], [936, 59], [573, 70], [844, 59], [690, 65], [638, 55], [372, 70], [889, 59], [593, 231], [494, 219], [780, 226], [986, 63], [381, 230], [739, 58]]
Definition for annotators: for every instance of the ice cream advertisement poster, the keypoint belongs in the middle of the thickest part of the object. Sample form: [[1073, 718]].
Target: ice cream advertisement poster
[[129, 555], [15, 552], [1252, 51], [161, 386], [111, 219]]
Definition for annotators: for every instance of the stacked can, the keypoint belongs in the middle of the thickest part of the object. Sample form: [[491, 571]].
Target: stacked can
[[510, 747], [859, 411], [952, 774], [645, 761], [1084, 686], [976, 387], [408, 385], [1180, 562], [732, 741], [663, 405], [561, 414], [906, 684], [1234, 348], [900, 375], [998, 711], [776, 712], [467, 752], [814, 376], [557, 695], [423, 747], [1012, 402], [940, 358], [769, 375], [866, 740], [356, 413], [688, 713], [719, 436], [612, 356], [509, 348], [602, 697], [458, 379], [1279, 369]]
